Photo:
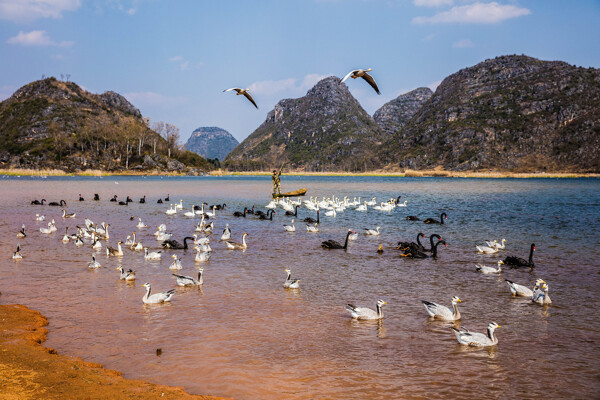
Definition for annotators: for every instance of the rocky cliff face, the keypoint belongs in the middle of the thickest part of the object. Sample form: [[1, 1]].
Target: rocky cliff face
[[211, 142], [509, 113], [394, 114], [326, 129], [56, 124]]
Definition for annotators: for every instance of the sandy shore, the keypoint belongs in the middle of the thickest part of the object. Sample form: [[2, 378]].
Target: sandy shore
[[29, 370]]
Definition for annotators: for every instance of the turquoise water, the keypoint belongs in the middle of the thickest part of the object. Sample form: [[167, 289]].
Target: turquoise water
[[243, 335]]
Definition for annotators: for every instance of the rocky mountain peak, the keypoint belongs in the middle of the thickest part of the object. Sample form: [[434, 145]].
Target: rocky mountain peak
[[211, 142], [394, 114]]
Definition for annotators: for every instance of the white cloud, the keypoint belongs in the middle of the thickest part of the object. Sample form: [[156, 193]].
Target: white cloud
[[36, 38], [29, 10], [432, 3], [131, 11], [290, 87], [476, 13], [176, 58], [462, 43]]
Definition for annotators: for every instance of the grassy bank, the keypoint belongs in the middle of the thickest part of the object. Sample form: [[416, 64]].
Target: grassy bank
[[406, 173]]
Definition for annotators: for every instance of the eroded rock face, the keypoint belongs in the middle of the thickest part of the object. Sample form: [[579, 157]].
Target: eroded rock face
[[327, 127], [211, 142], [394, 114], [115, 100], [508, 113]]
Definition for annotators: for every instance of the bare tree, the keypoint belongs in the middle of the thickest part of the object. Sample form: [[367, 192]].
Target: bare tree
[[171, 134], [158, 127]]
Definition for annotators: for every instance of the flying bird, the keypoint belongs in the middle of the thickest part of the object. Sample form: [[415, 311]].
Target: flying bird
[[362, 73], [245, 93]]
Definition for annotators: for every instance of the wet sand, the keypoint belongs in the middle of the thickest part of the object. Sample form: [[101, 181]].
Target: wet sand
[[29, 370]]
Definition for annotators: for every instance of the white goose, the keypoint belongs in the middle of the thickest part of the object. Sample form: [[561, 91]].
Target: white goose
[[183, 280], [141, 224], [312, 228], [237, 246], [477, 339], [290, 283], [155, 255], [488, 250], [202, 256], [372, 232], [158, 297], [128, 275], [540, 295], [65, 238], [94, 264], [47, 230], [489, 270], [226, 233], [439, 311], [176, 264], [65, 215], [17, 254], [366, 313], [524, 291], [290, 228]]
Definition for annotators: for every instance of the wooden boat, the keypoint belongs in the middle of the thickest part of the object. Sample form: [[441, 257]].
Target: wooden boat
[[299, 192]]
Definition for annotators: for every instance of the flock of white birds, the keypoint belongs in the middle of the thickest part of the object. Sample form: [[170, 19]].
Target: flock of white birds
[[91, 234]]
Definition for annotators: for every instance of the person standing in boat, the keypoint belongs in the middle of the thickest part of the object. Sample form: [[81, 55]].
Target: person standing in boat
[[276, 182]]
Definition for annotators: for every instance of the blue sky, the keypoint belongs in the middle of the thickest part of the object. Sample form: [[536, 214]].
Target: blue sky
[[173, 59]]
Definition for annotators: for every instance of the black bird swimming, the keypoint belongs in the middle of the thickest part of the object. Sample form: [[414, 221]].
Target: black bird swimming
[[267, 217], [311, 219], [96, 197], [435, 221], [518, 262], [332, 244], [292, 214], [412, 245], [62, 203], [240, 213], [411, 253], [81, 198], [174, 244], [143, 200], [412, 218], [38, 202], [114, 198]]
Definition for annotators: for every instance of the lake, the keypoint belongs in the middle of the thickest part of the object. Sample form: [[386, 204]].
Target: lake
[[243, 335]]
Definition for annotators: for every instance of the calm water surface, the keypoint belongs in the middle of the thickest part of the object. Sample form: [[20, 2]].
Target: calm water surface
[[243, 335]]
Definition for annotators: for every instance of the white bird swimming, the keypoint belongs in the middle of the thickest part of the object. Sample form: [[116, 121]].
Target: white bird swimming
[[17, 254], [477, 339], [226, 233], [540, 295], [78, 241], [21, 234], [238, 246], [141, 224], [180, 205], [202, 256], [161, 228], [65, 238], [190, 214], [183, 280], [138, 246], [171, 210], [111, 251], [290, 283], [65, 215], [176, 264], [290, 228], [312, 228], [353, 236], [331, 213], [362, 207], [496, 245], [39, 217], [94, 264], [372, 232], [362, 73], [524, 291], [243, 92], [156, 298], [128, 275], [489, 270], [439, 311], [366, 313], [488, 249], [155, 255], [47, 230]]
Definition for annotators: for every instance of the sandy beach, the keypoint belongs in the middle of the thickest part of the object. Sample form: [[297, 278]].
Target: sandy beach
[[28, 370]]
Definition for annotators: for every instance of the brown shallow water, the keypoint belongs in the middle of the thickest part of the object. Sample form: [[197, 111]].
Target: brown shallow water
[[243, 335]]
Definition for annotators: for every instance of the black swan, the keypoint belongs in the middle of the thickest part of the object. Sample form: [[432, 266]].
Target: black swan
[[311, 219], [114, 199], [240, 213], [395, 201], [38, 202], [332, 244], [159, 201], [435, 221], [96, 197], [410, 253], [123, 203], [174, 244], [412, 218], [267, 217], [218, 206], [292, 214], [168, 198], [250, 210], [412, 245], [435, 235], [128, 200], [81, 198], [143, 200], [62, 203], [517, 262]]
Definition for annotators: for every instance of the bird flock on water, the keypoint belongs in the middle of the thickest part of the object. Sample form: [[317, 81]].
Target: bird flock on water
[[92, 234]]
